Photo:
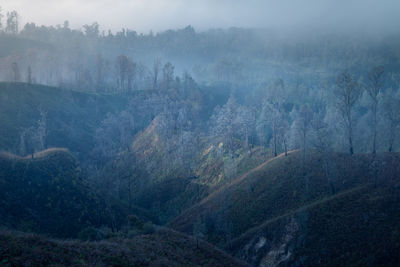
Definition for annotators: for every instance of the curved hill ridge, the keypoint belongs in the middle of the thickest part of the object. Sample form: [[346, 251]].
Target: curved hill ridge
[[284, 193], [331, 232], [242, 177]]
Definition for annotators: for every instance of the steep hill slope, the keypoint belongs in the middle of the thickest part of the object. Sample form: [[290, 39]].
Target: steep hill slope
[[358, 227], [173, 186], [284, 186], [47, 194], [164, 248]]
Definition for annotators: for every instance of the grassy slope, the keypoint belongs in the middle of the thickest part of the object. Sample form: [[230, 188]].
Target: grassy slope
[[358, 227], [164, 248], [38, 194], [72, 117], [278, 188]]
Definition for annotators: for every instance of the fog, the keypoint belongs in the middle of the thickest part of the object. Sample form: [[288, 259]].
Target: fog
[[199, 132], [159, 15]]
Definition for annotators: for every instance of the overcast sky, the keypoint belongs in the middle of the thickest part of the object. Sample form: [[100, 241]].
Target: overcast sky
[[159, 15]]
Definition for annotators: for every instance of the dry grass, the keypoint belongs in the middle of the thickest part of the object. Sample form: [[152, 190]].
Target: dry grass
[[278, 187], [164, 248]]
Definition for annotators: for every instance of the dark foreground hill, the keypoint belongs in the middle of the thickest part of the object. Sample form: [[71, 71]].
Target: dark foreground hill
[[336, 210], [164, 248], [47, 194]]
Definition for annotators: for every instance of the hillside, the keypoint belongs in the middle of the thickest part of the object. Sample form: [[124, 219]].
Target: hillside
[[180, 175], [37, 194], [358, 227], [270, 195], [164, 248], [71, 117]]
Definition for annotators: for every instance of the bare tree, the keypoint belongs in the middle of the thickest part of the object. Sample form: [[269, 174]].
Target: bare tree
[[115, 135], [33, 139], [347, 93], [284, 132], [41, 131], [131, 73], [16, 72], [92, 31], [100, 72], [322, 142], [244, 123], [121, 65], [374, 89], [156, 72], [168, 76], [303, 126], [29, 76], [392, 114], [12, 22], [274, 119]]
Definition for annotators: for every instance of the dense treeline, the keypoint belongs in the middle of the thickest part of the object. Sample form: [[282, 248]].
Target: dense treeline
[[95, 60]]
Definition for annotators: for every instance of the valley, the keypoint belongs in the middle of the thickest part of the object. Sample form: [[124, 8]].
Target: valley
[[241, 146]]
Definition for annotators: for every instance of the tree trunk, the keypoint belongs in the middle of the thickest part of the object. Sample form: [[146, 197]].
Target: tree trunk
[[350, 136], [351, 146], [375, 122], [129, 194], [285, 146]]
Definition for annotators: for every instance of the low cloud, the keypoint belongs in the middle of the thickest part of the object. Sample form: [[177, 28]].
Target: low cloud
[[159, 15]]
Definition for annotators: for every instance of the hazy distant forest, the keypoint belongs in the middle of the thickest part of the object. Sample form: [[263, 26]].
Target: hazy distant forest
[[281, 91], [157, 124]]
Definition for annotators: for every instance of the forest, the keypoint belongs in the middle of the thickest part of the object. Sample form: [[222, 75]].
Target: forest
[[221, 147]]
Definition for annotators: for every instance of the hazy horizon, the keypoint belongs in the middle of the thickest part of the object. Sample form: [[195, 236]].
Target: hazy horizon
[[143, 16]]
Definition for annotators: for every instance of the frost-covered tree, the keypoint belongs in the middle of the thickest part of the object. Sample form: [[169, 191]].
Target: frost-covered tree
[[33, 138], [156, 73], [16, 72], [126, 71], [244, 124], [29, 78], [391, 111], [303, 124], [274, 120], [114, 135], [12, 22], [374, 89], [168, 76], [347, 94], [101, 72], [284, 131], [222, 122]]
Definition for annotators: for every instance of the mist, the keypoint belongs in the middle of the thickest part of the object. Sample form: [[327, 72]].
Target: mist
[[199, 133], [143, 16]]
